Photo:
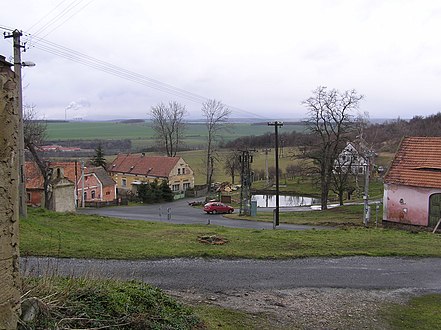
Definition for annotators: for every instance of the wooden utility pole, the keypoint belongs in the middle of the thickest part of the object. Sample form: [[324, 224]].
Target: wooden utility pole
[[276, 125]]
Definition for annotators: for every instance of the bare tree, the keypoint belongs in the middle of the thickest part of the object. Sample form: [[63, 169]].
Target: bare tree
[[216, 115], [342, 174], [330, 120], [232, 164], [34, 132], [168, 124]]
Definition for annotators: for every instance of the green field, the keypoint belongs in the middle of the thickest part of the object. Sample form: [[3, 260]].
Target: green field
[[195, 133]]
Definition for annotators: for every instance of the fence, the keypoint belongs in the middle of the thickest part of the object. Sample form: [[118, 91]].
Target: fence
[[98, 204]]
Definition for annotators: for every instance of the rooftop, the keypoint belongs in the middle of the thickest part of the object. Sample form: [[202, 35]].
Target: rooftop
[[417, 163]]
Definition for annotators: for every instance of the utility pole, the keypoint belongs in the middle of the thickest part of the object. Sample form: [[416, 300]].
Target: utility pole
[[276, 125], [366, 189], [266, 150], [245, 177], [21, 159]]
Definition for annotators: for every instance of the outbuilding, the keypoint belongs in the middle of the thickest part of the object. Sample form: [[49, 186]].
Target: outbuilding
[[412, 185]]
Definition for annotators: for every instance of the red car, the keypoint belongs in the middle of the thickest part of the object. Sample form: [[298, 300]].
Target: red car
[[217, 207]]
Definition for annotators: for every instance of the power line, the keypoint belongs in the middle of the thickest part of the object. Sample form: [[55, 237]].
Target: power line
[[112, 69], [68, 18], [78, 57], [50, 12], [58, 17]]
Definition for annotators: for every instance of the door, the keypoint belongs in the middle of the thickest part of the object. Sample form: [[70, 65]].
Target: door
[[434, 209]]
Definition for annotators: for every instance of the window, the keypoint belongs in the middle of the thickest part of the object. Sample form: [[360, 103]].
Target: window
[[186, 186], [29, 196], [175, 187], [85, 195], [183, 171], [92, 194], [123, 182], [107, 192], [179, 171]]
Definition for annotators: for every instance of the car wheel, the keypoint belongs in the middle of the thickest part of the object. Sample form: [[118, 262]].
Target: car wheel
[[215, 212], [230, 211]]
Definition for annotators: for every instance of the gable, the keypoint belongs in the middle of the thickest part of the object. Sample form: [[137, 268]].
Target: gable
[[417, 163]]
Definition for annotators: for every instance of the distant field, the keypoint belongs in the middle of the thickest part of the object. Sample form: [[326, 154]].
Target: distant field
[[194, 135]]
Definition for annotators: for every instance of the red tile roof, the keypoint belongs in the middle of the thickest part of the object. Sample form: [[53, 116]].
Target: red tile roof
[[72, 171], [417, 163], [156, 166], [34, 179]]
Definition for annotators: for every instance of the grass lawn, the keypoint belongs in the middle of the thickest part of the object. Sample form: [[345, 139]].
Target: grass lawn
[[69, 235], [422, 313], [348, 215]]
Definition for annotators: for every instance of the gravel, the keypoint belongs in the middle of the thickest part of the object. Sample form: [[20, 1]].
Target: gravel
[[307, 308]]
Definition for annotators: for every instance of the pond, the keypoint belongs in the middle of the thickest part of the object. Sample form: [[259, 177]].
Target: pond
[[284, 200]]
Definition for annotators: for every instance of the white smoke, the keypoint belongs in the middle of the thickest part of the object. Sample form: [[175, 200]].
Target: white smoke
[[77, 110]]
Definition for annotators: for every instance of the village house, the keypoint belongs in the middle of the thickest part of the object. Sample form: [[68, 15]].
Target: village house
[[131, 170], [412, 185], [97, 187], [350, 159], [63, 188]]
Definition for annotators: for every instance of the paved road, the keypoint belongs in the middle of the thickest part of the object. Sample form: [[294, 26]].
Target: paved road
[[213, 274], [182, 213]]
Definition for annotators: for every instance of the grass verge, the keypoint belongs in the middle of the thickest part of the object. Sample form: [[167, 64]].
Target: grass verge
[[422, 313], [83, 236], [348, 215]]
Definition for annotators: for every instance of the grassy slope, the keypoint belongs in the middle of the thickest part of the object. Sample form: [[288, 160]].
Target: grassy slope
[[69, 235], [69, 303]]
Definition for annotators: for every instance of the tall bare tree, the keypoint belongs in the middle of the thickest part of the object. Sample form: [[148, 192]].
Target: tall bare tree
[[330, 120], [216, 115], [34, 132], [168, 124]]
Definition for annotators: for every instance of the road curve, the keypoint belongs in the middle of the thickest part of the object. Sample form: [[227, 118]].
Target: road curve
[[215, 274], [181, 213]]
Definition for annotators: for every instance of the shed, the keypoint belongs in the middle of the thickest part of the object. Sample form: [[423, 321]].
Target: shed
[[412, 185]]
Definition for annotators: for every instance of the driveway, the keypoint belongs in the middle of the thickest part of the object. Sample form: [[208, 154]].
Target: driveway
[[179, 212]]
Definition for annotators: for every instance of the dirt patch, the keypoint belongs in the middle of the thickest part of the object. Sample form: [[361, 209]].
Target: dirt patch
[[307, 308], [212, 239]]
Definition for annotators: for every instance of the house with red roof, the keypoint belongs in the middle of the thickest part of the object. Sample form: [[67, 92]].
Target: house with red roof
[[412, 185], [98, 185], [131, 170]]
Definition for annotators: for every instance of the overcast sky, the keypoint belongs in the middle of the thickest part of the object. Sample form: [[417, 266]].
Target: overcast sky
[[263, 58]]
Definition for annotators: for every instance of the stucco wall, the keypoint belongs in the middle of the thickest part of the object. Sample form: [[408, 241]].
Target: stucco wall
[[9, 239], [64, 196], [408, 205]]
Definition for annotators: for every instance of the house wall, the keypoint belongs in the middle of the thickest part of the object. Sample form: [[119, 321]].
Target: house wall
[[406, 204], [92, 183], [180, 175], [130, 178], [10, 282], [35, 197]]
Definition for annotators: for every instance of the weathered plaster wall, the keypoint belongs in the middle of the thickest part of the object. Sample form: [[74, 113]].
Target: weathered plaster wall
[[408, 205], [9, 252], [64, 196]]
